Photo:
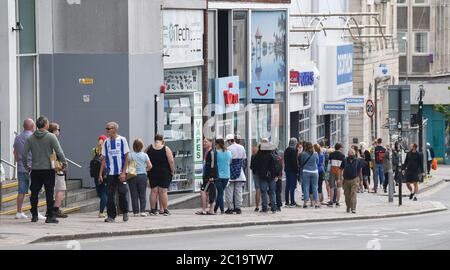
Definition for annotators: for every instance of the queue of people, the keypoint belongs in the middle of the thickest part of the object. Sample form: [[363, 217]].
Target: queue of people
[[118, 171]]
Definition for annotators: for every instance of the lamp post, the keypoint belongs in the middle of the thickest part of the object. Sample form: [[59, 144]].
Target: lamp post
[[405, 39], [420, 116]]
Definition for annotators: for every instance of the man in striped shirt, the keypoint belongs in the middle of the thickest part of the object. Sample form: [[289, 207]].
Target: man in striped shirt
[[115, 159]]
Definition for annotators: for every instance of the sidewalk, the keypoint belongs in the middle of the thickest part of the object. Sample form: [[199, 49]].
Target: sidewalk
[[84, 226], [437, 178]]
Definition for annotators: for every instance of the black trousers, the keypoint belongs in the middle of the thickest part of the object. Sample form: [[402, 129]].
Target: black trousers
[[278, 190], [41, 178], [114, 185]]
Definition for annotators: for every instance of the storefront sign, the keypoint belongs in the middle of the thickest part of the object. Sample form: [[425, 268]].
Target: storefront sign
[[227, 95], [198, 145], [334, 108], [263, 92], [355, 101], [336, 71], [382, 71], [344, 64], [294, 77], [182, 36]]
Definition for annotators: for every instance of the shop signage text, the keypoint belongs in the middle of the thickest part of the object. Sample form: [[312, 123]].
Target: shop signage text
[[182, 37], [263, 92], [344, 64], [334, 108], [355, 101], [302, 78], [227, 95]]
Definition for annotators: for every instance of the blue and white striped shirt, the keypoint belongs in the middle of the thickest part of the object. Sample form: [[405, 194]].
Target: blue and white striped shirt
[[114, 152]]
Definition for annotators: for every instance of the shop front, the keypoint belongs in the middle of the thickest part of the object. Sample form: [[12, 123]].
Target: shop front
[[336, 69], [247, 48], [303, 79], [183, 67]]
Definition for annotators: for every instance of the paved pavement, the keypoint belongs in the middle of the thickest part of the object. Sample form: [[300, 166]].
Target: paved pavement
[[84, 226]]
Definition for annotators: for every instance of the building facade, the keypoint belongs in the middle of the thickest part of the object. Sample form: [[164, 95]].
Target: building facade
[[84, 63], [423, 30]]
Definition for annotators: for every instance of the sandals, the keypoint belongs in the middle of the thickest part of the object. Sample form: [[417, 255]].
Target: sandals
[[201, 213]]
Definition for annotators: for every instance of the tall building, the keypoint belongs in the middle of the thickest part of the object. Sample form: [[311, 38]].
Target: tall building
[[423, 29]]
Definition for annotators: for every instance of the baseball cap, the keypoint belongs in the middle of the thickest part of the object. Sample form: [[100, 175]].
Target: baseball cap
[[229, 137]]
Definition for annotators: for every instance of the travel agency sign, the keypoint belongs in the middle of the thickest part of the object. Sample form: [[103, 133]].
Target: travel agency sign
[[263, 92]]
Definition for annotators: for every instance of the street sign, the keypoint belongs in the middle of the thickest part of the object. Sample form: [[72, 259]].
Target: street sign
[[370, 108]]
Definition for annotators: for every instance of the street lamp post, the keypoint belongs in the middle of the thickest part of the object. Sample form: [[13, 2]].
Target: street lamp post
[[406, 57]]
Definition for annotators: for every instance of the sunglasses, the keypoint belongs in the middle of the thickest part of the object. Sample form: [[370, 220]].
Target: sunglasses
[[109, 128]]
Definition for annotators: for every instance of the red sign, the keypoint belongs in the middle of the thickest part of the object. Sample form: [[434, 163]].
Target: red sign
[[370, 108], [295, 77], [230, 98]]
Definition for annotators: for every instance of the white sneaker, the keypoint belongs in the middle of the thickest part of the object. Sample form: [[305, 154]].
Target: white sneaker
[[41, 217], [136, 215], [21, 215], [143, 214]]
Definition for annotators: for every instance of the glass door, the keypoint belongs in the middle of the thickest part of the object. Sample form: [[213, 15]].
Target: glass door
[[179, 137]]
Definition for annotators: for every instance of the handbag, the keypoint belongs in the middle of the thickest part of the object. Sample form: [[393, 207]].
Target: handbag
[[434, 164], [131, 169]]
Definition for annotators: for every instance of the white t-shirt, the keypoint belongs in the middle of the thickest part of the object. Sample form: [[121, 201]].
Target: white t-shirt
[[238, 152], [114, 152]]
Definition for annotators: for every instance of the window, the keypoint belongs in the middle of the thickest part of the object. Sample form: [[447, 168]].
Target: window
[[420, 1], [401, 42], [401, 1], [421, 42], [402, 18]]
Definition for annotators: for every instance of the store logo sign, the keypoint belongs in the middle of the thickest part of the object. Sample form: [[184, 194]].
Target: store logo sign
[[344, 64], [307, 78], [263, 92], [227, 95]]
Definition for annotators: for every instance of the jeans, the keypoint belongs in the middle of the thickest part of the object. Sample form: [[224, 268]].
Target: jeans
[[41, 178], [221, 184], [310, 179], [102, 193], [24, 182], [114, 185], [379, 173], [268, 186], [291, 185], [138, 192]]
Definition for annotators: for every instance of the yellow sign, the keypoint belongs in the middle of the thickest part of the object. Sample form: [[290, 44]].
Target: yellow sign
[[86, 81]]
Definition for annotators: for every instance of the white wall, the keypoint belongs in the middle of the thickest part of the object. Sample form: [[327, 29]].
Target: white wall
[[8, 83]]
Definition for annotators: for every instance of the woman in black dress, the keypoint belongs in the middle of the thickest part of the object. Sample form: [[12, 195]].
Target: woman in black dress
[[160, 175], [412, 167]]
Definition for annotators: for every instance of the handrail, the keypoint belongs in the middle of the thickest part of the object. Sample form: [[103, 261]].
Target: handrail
[[74, 163], [8, 163]]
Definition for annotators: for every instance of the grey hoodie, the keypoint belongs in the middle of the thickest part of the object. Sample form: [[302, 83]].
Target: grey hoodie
[[42, 144]]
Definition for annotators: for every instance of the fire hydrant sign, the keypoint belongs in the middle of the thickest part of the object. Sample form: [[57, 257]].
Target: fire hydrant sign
[[263, 93]]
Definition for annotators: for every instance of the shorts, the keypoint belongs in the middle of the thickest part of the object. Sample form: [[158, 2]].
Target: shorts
[[24, 182], [256, 181], [210, 190], [333, 179], [60, 182]]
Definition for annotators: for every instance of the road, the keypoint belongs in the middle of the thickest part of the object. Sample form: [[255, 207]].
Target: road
[[430, 231]]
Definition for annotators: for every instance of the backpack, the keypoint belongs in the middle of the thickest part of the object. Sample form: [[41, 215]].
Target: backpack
[[276, 165], [94, 166], [379, 156]]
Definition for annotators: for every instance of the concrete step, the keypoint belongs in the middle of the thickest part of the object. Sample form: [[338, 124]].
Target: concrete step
[[86, 206], [9, 186], [80, 195]]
